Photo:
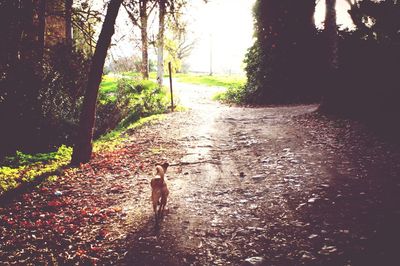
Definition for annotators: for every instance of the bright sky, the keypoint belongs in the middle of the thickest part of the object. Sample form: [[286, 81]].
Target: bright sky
[[223, 30], [343, 17], [226, 28]]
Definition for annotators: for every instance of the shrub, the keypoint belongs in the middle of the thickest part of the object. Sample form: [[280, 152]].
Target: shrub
[[234, 94], [131, 100]]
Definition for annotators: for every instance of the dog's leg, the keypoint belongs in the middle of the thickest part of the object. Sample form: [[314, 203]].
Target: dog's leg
[[162, 206], [155, 208], [154, 199], [159, 213]]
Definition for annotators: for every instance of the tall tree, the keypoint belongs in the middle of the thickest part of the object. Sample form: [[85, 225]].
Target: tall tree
[[139, 12], [41, 26], [160, 42], [331, 34], [168, 9], [330, 97], [83, 145], [68, 21], [362, 80], [285, 40], [84, 21]]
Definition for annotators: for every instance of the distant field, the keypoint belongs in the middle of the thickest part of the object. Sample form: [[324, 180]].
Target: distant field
[[215, 80], [152, 75], [198, 79]]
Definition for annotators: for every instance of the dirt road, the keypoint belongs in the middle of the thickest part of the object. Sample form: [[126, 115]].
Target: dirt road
[[248, 186], [274, 186]]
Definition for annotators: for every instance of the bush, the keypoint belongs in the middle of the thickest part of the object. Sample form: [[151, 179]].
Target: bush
[[131, 100], [234, 94]]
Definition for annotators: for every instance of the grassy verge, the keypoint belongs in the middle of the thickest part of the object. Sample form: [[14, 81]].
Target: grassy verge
[[234, 85], [143, 103], [24, 168], [137, 75], [216, 80], [198, 79], [108, 84], [114, 139]]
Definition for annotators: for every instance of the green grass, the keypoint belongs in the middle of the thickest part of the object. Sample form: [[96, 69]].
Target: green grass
[[23, 168], [234, 85], [113, 139], [137, 75], [215, 80], [131, 74], [207, 80], [108, 89], [108, 84]]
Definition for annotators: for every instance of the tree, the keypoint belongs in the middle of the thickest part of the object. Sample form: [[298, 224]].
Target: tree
[[285, 41], [330, 99], [377, 20], [184, 46], [83, 145], [84, 20], [171, 8], [139, 12], [160, 42], [68, 21], [361, 65], [176, 45]]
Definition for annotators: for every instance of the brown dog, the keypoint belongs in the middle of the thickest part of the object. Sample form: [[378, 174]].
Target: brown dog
[[159, 190]]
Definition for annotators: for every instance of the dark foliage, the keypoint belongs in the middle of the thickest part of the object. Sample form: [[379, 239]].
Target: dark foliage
[[283, 65], [39, 100], [367, 80]]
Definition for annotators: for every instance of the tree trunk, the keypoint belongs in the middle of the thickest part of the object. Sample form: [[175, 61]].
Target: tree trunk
[[83, 144], [331, 34], [331, 95], [160, 44], [68, 21], [28, 34], [145, 45], [42, 25]]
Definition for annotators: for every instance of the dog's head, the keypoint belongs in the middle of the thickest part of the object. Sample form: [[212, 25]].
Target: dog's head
[[163, 165]]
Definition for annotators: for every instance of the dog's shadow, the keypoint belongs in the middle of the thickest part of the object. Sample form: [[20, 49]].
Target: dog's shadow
[[158, 220], [151, 244]]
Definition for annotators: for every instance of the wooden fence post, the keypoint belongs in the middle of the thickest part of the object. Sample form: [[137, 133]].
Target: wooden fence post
[[170, 86]]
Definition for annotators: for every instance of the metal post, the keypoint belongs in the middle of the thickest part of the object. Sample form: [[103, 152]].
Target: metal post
[[170, 86]]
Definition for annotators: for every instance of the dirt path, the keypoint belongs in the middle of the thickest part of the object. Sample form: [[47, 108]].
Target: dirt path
[[273, 186]]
